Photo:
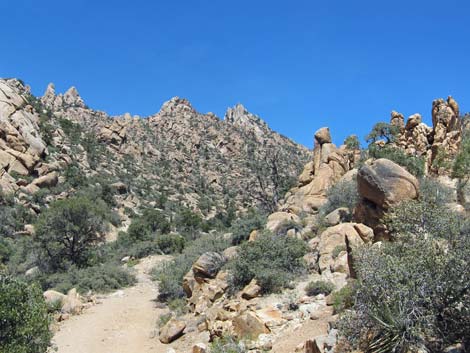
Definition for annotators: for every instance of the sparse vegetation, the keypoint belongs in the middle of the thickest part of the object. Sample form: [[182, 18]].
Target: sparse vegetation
[[227, 344], [319, 287], [414, 164], [101, 278], [342, 194]]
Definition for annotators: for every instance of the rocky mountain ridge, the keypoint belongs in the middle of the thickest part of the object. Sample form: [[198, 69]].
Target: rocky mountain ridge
[[205, 163]]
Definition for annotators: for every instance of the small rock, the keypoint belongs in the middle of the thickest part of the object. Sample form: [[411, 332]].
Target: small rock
[[199, 348], [172, 330], [252, 290]]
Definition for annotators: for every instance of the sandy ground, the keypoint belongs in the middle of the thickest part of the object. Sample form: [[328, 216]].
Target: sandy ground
[[289, 339], [125, 322]]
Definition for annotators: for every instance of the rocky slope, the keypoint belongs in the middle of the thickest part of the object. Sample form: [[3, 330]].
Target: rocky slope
[[178, 155], [381, 184]]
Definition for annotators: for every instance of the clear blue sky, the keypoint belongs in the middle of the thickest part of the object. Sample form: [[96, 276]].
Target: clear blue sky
[[299, 65]]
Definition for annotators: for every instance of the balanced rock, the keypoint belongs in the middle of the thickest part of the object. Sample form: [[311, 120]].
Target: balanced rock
[[323, 136]]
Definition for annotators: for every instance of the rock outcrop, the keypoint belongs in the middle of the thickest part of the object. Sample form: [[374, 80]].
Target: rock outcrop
[[329, 164], [177, 154], [436, 144]]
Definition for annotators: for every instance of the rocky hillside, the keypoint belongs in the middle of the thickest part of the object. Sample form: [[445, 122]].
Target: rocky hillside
[[212, 166]]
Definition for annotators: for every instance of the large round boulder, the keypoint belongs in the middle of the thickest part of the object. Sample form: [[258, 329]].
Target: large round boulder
[[385, 183]]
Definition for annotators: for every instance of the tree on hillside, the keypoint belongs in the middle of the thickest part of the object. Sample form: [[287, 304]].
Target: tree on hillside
[[383, 131], [67, 231], [270, 182]]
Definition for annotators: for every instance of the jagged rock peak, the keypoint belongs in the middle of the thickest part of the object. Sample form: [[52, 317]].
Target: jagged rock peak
[[72, 97], [49, 95], [241, 117], [176, 105]]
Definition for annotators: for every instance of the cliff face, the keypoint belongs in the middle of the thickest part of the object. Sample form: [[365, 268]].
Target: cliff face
[[198, 160]]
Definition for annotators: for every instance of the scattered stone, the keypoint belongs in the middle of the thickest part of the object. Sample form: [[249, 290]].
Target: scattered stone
[[200, 348], [252, 290], [172, 330]]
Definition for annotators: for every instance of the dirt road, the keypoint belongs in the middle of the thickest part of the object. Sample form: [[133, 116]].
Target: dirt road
[[125, 322]]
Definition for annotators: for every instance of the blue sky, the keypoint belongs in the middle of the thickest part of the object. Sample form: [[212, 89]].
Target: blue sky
[[299, 65]]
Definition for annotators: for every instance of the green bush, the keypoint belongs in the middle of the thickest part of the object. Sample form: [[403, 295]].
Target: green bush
[[243, 226], [414, 164], [13, 217], [151, 222], [319, 287], [68, 230], [24, 323], [342, 194], [337, 250], [271, 260], [461, 167], [99, 279], [170, 274], [170, 243], [421, 218], [227, 344], [344, 298], [352, 142]]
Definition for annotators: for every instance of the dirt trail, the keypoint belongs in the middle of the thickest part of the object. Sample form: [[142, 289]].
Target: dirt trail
[[125, 322]]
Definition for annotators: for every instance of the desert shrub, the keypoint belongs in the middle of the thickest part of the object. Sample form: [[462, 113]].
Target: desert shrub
[[414, 164], [68, 230], [152, 221], [271, 260], [422, 218], [13, 217], [74, 175], [434, 192], [227, 344], [188, 222], [319, 287], [163, 319], [461, 167], [178, 306], [243, 226], [342, 194], [337, 250], [100, 279], [352, 142], [71, 129], [170, 243], [411, 295], [170, 274], [24, 323], [344, 298], [19, 254]]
